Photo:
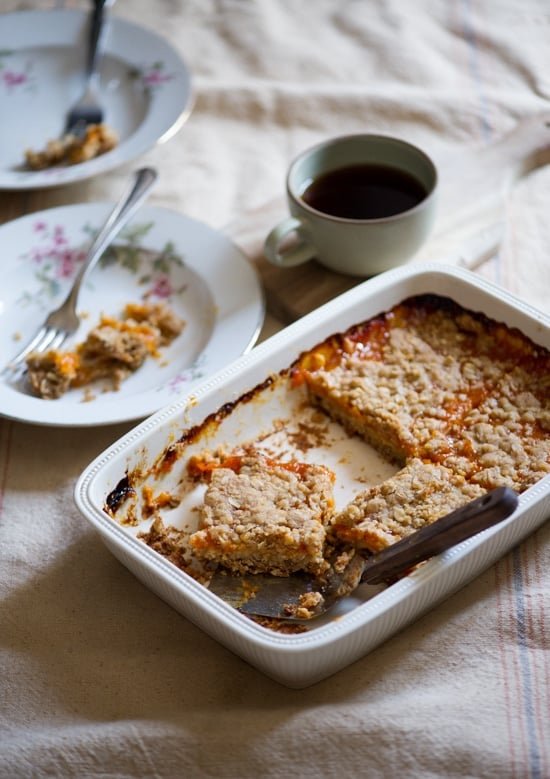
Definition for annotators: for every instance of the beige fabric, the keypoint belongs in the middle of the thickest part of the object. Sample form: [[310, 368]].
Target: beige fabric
[[101, 679]]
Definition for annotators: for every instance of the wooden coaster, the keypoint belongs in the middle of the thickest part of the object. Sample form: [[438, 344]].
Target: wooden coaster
[[293, 292]]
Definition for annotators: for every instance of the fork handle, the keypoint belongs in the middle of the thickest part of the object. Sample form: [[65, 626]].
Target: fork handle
[[96, 37], [144, 178]]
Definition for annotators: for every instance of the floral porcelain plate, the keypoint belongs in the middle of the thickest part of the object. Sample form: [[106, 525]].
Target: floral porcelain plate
[[160, 256], [145, 91]]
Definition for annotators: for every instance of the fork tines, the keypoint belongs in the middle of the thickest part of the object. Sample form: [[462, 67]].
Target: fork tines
[[45, 339], [81, 116]]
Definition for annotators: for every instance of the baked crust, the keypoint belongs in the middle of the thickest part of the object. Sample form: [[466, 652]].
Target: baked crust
[[459, 401]]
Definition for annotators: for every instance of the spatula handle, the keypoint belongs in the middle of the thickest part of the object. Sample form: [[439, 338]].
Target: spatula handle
[[480, 514]]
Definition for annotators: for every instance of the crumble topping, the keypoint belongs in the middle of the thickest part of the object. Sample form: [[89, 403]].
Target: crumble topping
[[416, 496], [173, 544], [307, 605], [460, 401], [263, 516]]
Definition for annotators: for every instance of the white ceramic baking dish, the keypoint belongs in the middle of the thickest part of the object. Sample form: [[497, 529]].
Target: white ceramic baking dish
[[373, 614]]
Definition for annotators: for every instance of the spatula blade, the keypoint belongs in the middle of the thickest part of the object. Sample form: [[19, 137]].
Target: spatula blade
[[298, 596], [304, 596]]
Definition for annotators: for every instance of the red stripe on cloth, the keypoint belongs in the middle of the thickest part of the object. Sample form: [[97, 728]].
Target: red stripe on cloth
[[6, 431], [537, 648]]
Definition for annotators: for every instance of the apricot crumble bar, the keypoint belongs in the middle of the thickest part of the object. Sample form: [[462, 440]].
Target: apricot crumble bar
[[261, 515], [416, 496]]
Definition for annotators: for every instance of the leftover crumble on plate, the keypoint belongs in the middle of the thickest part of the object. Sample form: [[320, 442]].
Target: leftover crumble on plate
[[73, 149], [113, 350]]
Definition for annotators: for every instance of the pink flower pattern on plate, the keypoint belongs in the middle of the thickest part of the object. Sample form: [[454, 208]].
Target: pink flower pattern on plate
[[56, 261], [194, 372], [162, 287], [152, 76], [13, 77]]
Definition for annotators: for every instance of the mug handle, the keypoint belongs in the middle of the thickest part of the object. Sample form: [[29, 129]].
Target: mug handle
[[297, 254]]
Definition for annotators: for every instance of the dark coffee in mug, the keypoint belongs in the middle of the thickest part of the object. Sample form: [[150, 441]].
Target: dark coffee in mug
[[359, 204], [364, 191]]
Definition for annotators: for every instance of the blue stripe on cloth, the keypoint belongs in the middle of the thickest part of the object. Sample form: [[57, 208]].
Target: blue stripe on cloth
[[526, 673], [469, 36]]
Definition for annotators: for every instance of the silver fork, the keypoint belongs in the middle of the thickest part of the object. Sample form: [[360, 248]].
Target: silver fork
[[64, 321], [88, 109]]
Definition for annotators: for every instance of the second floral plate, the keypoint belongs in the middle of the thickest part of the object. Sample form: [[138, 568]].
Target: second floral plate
[[160, 256], [145, 91]]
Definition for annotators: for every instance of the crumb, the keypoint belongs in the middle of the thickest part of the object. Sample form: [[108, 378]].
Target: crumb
[[307, 606]]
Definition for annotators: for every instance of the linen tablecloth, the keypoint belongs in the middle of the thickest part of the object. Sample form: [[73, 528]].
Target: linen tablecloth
[[98, 677]]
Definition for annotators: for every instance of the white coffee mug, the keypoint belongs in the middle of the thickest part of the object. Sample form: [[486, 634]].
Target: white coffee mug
[[359, 204]]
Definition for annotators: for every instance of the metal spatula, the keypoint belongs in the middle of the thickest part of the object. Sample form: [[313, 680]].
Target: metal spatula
[[282, 596]]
